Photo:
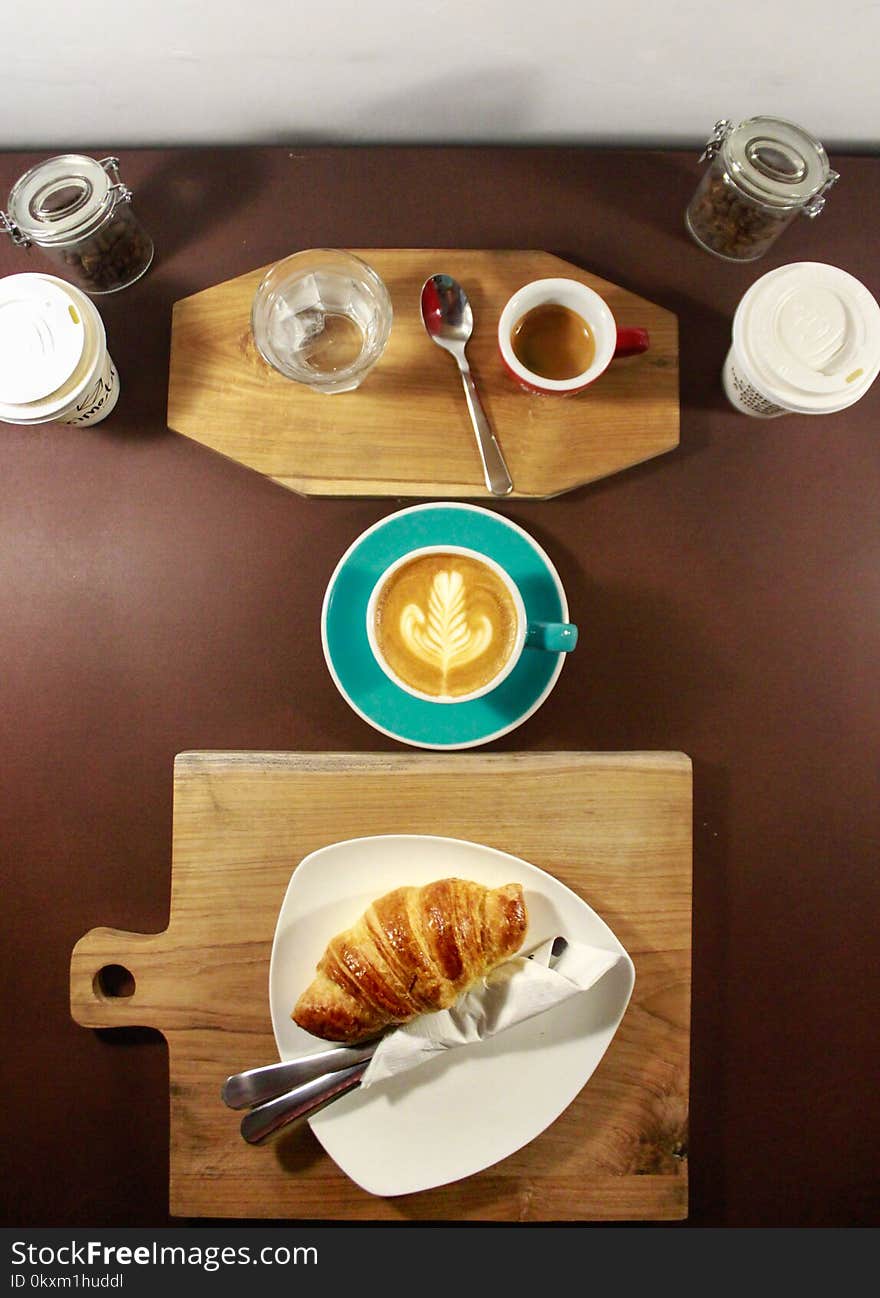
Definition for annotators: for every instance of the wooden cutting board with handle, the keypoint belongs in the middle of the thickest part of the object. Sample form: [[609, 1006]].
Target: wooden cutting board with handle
[[616, 828]]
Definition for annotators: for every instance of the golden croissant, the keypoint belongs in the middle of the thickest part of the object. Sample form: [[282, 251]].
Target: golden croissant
[[412, 951]]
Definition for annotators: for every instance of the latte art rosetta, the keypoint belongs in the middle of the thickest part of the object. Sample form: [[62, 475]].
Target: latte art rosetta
[[444, 635], [445, 624]]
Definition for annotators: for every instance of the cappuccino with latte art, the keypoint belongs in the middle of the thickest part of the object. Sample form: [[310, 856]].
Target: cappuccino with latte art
[[446, 624]]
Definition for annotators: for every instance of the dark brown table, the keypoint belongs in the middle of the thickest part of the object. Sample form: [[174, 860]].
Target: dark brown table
[[157, 598]]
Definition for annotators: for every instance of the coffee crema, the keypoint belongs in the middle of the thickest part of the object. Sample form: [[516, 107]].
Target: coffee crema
[[553, 342], [445, 624]]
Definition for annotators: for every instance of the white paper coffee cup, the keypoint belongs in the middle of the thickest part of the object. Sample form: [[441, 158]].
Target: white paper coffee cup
[[806, 340], [54, 363]]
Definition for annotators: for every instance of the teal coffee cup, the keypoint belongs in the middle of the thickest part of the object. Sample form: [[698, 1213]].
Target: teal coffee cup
[[448, 624]]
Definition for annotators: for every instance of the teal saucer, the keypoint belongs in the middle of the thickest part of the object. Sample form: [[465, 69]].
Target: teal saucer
[[364, 685]]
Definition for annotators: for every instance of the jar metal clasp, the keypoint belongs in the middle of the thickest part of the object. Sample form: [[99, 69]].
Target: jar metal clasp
[[817, 202], [8, 226], [120, 191], [716, 139]]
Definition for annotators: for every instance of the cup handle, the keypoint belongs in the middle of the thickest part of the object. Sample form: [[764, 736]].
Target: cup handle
[[631, 342], [555, 637]]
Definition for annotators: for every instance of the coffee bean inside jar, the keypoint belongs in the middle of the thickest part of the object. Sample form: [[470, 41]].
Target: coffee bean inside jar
[[729, 224], [77, 211], [763, 173], [114, 257]]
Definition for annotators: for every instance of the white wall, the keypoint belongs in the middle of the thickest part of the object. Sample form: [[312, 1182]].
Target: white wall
[[128, 72]]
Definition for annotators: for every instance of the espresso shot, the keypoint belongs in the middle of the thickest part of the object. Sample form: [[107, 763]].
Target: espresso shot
[[553, 341]]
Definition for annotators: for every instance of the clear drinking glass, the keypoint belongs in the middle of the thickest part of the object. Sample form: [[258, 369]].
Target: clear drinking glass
[[322, 317]]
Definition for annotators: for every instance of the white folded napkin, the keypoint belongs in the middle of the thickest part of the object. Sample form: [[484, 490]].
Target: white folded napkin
[[517, 990]]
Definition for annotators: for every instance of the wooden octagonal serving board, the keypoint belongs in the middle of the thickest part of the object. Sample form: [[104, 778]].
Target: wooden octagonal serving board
[[616, 828], [406, 430]]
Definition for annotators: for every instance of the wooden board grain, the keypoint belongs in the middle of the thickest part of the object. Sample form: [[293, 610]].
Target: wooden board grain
[[406, 431], [616, 828]]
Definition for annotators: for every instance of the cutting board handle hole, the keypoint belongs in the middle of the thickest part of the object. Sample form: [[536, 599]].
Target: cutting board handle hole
[[112, 981]]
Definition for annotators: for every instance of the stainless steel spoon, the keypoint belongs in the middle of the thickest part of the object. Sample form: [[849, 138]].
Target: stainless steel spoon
[[449, 321]]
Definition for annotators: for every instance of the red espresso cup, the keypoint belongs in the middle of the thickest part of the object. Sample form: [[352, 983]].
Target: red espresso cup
[[610, 341]]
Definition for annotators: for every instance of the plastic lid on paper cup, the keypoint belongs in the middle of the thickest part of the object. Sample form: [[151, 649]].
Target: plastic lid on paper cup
[[42, 338], [809, 336]]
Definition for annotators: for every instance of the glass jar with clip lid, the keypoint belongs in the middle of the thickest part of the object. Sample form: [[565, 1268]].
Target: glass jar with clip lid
[[77, 210], [763, 173]]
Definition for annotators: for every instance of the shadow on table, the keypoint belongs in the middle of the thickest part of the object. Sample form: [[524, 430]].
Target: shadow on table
[[138, 324], [297, 1149], [654, 192], [703, 342], [193, 191], [129, 1036]]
